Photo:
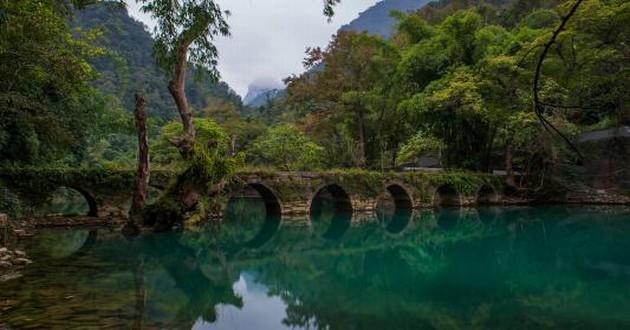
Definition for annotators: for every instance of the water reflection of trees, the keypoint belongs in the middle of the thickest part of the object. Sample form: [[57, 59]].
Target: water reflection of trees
[[452, 268], [518, 272]]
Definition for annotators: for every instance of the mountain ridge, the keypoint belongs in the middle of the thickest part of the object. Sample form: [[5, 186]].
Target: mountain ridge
[[377, 20], [133, 69]]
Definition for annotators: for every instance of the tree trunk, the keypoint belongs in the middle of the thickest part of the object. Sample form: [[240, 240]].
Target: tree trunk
[[142, 176], [176, 87], [509, 171], [232, 151], [361, 125]]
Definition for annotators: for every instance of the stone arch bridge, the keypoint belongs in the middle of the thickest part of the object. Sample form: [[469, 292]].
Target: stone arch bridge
[[108, 192]]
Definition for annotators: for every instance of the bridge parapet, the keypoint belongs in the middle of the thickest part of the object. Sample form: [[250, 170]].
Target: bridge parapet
[[296, 191], [108, 192]]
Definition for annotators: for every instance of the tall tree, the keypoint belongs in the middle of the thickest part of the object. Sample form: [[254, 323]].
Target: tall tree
[[184, 34], [355, 69]]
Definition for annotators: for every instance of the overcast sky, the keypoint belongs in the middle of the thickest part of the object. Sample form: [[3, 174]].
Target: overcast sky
[[269, 37]]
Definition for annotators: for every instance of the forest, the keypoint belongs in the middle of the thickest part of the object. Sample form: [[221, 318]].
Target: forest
[[458, 83]]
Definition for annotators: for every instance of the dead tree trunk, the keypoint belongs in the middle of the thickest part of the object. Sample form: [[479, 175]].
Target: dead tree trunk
[[138, 202]]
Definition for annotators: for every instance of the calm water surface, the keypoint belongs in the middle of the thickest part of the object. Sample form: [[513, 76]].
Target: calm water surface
[[517, 268]]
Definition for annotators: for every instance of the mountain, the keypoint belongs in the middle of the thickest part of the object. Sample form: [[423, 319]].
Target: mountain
[[264, 97], [376, 19], [132, 68], [260, 92]]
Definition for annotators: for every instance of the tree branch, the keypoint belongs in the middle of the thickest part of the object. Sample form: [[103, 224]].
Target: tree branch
[[538, 106]]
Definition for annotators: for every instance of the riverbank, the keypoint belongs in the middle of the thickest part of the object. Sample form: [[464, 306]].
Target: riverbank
[[11, 260]]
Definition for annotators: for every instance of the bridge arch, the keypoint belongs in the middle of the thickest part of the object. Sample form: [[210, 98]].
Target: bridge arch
[[446, 195], [398, 217], [334, 203], [88, 197], [273, 207], [486, 194]]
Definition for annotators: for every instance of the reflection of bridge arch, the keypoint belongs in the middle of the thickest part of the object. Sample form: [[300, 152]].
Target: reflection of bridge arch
[[59, 244], [446, 195], [273, 212], [487, 195], [398, 220], [332, 201]]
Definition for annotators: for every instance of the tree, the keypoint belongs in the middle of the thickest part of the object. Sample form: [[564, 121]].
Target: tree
[[453, 110], [184, 33], [286, 147], [355, 70], [48, 109], [165, 154]]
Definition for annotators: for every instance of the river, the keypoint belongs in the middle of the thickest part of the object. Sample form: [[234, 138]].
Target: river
[[494, 267]]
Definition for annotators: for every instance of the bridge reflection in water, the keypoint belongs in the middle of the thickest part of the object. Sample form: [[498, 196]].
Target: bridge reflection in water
[[491, 267]]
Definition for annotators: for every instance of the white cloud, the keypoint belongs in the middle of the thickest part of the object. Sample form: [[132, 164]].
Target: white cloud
[[269, 37]]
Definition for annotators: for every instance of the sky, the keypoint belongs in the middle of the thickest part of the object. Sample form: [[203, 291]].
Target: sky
[[269, 37]]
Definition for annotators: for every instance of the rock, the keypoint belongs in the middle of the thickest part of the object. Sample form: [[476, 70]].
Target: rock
[[22, 261], [6, 257], [5, 264], [4, 250], [19, 254], [10, 276]]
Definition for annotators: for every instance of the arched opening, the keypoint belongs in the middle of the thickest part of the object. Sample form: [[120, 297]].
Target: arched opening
[[253, 215], [487, 195], [394, 209], [153, 194], [68, 201], [446, 195], [331, 211]]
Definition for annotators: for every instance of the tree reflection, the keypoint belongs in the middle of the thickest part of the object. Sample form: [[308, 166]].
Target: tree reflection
[[523, 269]]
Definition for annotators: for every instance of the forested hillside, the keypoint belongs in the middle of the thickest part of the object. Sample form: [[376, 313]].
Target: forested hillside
[[131, 68]]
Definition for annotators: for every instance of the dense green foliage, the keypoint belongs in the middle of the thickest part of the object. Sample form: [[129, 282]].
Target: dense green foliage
[[457, 78], [286, 147], [48, 110], [68, 85]]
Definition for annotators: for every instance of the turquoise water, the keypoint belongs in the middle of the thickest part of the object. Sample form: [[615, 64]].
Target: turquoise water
[[505, 268]]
